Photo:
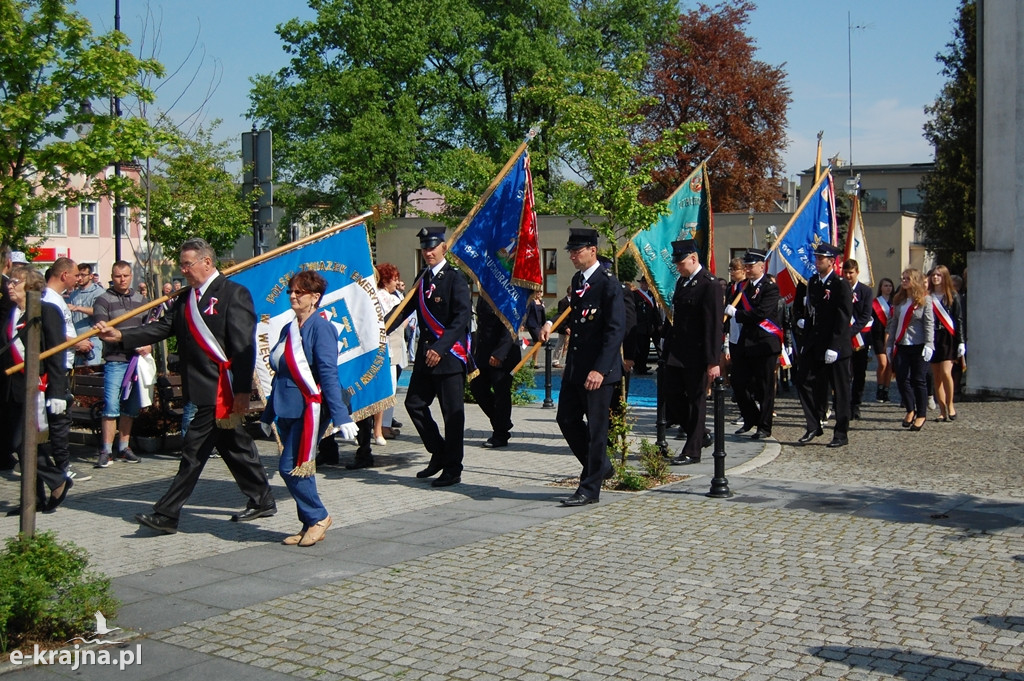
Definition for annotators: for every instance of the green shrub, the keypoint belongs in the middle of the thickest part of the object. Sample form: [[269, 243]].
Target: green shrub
[[522, 383], [629, 478], [47, 592], [652, 462]]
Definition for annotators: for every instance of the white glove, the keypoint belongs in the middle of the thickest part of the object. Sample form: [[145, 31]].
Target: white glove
[[800, 324], [831, 356], [266, 428], [961, 350], [348, 430], [730, 310], [926, 353], [56, 406]]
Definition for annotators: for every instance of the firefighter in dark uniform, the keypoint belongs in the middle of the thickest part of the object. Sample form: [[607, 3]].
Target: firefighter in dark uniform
[[694, 347], [593, 363], [760, 343], [497, 352], [444, 309], [825, 353]]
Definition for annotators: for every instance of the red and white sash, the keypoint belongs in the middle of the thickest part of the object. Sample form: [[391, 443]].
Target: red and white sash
[[857, 338], [302, 374], [18, 355], [906, 315], [943, 316], [882, 309], [208, 343]]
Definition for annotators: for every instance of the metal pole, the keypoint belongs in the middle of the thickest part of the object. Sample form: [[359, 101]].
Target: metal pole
[[30, 438], [662, 421], [257, 246], [117, 164], [719, 483], [548, 402]]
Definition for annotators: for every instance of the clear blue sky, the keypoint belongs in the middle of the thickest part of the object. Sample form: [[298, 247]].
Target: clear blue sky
[[893, 62]]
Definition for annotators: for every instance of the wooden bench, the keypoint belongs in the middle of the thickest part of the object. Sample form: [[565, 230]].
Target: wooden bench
[[87, 412]]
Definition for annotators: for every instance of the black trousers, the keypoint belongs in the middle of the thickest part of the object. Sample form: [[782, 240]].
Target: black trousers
[[686, 396], [813, 378], [859, 369], [753, 379], [492, 390], [60, 436], [239, 453], [48, 474], [912, 374], [424, 386], [588, 441]]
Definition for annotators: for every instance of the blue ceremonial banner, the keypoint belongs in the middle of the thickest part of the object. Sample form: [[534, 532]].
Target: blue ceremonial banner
[[498, 247], [689, 216], [350, 304], [792, 260]]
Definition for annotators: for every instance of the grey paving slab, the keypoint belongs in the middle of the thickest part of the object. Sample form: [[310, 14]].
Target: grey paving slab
[[238, 591], [175, 578], [163, 612], [319, 570]]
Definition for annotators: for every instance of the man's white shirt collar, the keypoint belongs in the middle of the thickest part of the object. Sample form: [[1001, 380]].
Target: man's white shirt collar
[[206, 284], [436, 268], [589, 272]]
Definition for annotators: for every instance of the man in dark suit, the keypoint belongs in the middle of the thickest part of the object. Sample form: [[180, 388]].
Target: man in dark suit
[[215, 325], [497, 352], [860, 332], [593, 364], [648, 325], [757, 352], [694, 346], [443, 309], [825, 351]]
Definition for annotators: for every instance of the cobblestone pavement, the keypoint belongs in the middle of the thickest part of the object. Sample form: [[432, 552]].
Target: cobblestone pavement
[[814, 570]]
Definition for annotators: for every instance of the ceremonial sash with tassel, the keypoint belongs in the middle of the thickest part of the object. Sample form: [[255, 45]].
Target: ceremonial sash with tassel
[[18, 355], [857, 339], [882, 309], [943, 316], [295, 358], [225, 418], [461, 349]]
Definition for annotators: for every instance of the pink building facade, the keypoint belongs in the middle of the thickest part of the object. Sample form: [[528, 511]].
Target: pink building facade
[[85, 232]]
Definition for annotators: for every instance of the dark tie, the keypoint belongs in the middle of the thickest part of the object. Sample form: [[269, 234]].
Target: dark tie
[[427, 276]]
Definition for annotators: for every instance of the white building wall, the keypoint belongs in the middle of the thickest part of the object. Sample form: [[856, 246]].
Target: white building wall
[[995, 325]]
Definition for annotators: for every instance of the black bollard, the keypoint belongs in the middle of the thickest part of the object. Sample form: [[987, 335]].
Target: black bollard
[[662, 425], [719, 483], [548, 402]]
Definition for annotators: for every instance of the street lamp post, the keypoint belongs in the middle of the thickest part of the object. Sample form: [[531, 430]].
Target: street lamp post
[[115, 110]]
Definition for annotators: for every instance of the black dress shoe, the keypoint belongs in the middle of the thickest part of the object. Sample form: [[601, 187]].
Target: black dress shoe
[[395, 424], [855, 412], [744, 429], [429, 472], [446, 481], [707, 441], [579, 500], [56, 501], [761, 435], [160, 523], [254, 513], [838, 442], [494, 443], [810, 435], [684, 461], [360, 462]]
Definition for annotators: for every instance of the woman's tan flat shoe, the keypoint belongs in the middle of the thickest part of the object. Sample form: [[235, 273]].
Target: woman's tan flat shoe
[[316, 533], [295, 538]]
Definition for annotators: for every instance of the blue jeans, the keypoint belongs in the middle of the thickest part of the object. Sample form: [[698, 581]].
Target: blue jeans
[[188, 413], [113, 405], [307, 501]]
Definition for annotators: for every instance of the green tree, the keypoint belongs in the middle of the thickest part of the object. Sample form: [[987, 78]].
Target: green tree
[[708, 73], [382, 95], [194, 195], [51, 68], [947, 218], [598, 131]]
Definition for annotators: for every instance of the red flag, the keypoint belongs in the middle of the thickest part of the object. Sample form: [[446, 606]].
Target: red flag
[[526, 271]]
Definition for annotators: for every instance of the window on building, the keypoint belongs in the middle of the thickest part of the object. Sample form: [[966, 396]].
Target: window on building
[[122, 219], [911, 200], [874, 200], [55, 222], [87, 220], [551, 272]]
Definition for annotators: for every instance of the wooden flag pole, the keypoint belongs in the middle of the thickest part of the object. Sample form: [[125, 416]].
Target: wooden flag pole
[[535, 348], [316, 236], [397, 310]]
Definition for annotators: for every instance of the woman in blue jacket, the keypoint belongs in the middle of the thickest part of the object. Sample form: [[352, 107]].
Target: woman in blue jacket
[[306, 394]]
